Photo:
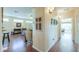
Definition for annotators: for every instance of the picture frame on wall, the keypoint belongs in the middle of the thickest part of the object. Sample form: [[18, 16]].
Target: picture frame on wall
[[18, 24], [54, 21], [38, 23]]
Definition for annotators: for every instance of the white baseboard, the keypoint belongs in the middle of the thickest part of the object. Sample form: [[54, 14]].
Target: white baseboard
[[46, 49], [51, 45], [36, 48]]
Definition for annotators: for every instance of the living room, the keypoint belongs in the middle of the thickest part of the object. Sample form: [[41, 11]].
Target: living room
[[16, 22]]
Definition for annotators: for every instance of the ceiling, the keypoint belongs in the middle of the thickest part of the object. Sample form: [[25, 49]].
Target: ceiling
[[63, 9], [19, 12], [28, 12], [65, 12]]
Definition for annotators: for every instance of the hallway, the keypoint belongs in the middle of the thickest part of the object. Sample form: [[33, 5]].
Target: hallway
[[56, 29], [65, 44]]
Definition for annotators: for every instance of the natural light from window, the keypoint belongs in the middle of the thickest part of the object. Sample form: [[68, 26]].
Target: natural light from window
[[17, 20], [29, 21], [67, 20], [5, 19]]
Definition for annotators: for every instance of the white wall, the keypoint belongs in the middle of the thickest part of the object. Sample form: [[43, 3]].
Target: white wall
[[38, 35], [51, 31], [0, 28], [43, 40], [77, 29], [75, 16]]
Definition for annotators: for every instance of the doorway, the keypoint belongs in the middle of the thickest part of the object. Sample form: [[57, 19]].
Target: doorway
[[66, 28], [66, 41]]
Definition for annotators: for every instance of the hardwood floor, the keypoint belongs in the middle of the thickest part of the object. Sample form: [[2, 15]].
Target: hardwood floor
[[59, 48], [17, 44], [65, 44]]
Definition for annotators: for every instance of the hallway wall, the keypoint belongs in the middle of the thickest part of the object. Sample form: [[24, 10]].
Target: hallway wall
[[43, 40], [38, 35], [77, 26], [51, 31], [0, 29]]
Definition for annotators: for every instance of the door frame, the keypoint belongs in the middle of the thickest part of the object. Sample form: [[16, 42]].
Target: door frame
[[71, 30]]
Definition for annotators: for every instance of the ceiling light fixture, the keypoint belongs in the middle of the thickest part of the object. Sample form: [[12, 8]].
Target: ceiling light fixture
[[51, 9]]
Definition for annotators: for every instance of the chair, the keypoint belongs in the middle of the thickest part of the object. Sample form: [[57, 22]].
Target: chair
[[5, 35]]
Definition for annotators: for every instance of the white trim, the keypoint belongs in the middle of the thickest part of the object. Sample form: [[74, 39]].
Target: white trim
[[52, 45], [2, 50], [36, 48]]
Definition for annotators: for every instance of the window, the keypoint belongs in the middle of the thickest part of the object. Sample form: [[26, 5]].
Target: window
[[66, 20], [17, 20], [29, 21], [5, 19]]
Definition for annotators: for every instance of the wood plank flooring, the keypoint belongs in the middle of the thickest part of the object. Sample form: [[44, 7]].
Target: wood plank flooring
[[17, 44], [65, 44]]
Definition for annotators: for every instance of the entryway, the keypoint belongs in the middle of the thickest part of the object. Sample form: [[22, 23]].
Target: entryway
[[65, 44], [66, 40]]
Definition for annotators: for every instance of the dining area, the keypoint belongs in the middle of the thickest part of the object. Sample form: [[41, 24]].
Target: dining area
[[17, 42]]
